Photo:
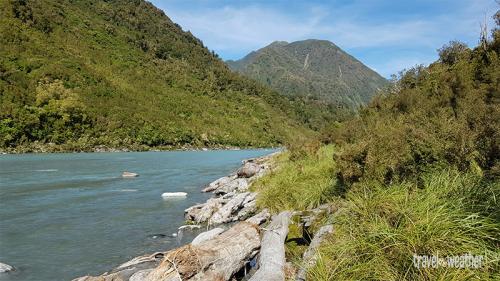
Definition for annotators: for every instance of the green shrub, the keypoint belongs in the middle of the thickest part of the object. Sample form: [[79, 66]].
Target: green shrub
[[382, 227], [444, 114]]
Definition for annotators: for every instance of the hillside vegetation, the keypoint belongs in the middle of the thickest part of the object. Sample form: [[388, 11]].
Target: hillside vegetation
[[78, 74], [416, 173], [316, 69]]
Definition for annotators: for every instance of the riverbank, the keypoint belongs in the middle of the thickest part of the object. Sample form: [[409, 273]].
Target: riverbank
[[69, 148], [77, 208], [232, 206], [241, 240], [310, 206]]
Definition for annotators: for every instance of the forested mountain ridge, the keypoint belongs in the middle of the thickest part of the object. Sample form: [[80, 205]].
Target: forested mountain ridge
[[317, 69], [122, 74]]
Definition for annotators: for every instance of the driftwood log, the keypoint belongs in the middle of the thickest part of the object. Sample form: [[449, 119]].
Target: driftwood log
[[309, 258], [207, 235], [216, 259], [272, 253]]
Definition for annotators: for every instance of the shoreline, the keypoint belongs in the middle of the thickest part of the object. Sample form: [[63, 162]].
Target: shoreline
[[235, 205], [105, 149]]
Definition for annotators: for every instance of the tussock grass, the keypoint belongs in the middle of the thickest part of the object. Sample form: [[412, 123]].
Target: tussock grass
[[382, 227], [299, 184]]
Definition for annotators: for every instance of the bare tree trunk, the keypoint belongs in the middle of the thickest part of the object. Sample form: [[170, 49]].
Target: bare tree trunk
[[309, 256], [216, 259], [272, 253]]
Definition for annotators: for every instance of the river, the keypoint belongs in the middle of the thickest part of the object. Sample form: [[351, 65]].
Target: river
[[71, 214]]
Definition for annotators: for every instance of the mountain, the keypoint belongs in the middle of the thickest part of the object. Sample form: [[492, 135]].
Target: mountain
[[80, 74], [317, 69]]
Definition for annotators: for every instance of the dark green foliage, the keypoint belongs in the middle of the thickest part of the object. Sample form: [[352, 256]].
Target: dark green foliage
[[444, 114], [122, 74], [315, 69], [453, 52]]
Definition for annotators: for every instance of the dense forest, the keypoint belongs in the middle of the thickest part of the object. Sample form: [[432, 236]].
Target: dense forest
[[79, 74], [416, 173], [314, 69]]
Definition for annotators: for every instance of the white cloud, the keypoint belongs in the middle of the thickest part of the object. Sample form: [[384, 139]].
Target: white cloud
[[244, 28], [236, 29]]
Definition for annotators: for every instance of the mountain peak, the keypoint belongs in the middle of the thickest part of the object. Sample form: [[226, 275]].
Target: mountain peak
[[278, 44], [312, 67]]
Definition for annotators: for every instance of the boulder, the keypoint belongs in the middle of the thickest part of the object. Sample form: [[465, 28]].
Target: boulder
[[239, 184], [223, 215], [201, 213], [248, 209], [248, 170], [218, 183]]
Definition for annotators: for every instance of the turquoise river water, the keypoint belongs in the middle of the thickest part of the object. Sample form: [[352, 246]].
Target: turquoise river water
[[67, 215]]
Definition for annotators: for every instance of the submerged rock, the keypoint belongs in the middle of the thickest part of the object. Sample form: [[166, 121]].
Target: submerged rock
[[158, 235]]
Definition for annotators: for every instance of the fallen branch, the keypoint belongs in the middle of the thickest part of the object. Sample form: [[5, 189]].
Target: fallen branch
[[216, 259], [309, 257], [272, 253]]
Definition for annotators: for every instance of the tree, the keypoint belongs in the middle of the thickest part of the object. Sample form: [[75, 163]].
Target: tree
[[452, 52]]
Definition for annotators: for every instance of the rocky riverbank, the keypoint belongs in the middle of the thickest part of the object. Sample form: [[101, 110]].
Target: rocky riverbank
[[232, 200], [232, 203], [235, 246]]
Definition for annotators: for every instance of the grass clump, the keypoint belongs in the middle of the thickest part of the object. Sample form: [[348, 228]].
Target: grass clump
[[382, 227], [303, 183]]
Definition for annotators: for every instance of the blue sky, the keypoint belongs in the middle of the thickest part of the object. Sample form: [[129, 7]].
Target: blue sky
[[388, 36]]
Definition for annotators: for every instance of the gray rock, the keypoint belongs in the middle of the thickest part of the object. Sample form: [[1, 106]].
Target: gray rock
[[5, 268], [260, 218], [248, 209], [202, 212], [223, 215], [218, 183], [236, 184], [248, 170]]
